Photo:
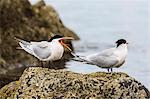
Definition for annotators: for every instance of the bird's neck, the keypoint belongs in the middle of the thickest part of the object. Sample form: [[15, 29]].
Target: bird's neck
[[121, 51], [122, 47], [57, 47], [56, 43]]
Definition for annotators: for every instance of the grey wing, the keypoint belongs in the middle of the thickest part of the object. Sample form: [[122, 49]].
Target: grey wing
[[41, 52], [118, 65], [107, 52], [25, 45], [104, 59], [42, 44]]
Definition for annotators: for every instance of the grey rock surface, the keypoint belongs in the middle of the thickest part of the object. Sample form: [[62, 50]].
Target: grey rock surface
[[44, 83]]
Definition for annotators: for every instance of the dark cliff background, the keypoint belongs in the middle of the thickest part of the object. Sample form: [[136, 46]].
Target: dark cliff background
[[29, 22]]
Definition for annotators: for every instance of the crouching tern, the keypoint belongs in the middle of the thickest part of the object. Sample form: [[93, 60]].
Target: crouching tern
[[50, 50], [109, 58]]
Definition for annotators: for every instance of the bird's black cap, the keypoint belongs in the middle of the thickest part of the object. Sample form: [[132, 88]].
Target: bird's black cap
[[55, 37], [121, 41]]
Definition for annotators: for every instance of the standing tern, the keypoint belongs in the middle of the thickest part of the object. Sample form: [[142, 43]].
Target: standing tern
[[109, 58], [50, 50]]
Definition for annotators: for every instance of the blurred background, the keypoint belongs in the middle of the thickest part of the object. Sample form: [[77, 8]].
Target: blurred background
[[99, 23]]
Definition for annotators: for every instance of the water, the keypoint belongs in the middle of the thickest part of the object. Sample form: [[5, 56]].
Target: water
[[99, 23]]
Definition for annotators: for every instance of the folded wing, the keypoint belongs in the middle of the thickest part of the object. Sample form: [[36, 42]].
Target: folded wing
[[42, 44], [41, 50], [104, 59]]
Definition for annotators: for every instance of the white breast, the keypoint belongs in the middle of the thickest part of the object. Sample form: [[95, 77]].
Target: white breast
[[121, 53], [57, 51]]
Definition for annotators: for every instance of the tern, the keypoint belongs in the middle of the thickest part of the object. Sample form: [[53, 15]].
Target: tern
[[109, 58], [50, 50]]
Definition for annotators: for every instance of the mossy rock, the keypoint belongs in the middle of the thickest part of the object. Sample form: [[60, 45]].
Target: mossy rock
[[42, 83]]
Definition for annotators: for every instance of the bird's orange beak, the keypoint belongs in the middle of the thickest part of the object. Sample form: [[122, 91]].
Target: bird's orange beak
[[65, 45]]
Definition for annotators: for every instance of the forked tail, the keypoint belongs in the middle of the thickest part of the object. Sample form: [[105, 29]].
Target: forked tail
[[24, 45], [80, 59]]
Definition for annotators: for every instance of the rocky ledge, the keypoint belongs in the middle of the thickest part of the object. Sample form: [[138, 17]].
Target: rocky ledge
[[43, 83]]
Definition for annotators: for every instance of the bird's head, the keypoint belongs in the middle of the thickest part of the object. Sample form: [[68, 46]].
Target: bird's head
[[60, 39], [121, 41]]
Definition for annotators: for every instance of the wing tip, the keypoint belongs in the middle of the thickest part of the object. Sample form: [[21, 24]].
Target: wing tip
[[19, 48], [17, 39]]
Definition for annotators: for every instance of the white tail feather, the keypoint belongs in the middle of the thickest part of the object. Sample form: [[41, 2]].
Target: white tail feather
[[27, 48], [80, 59]]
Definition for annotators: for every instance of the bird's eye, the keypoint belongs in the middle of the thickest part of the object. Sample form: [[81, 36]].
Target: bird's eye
[[60, 40]]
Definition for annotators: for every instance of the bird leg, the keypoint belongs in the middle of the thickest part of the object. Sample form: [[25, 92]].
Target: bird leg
[[49, 63], [41, 64], [111, 69], [108, 69]]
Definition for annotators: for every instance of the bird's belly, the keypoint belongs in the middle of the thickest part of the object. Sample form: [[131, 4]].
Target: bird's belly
[[120, 63], [56, 56]]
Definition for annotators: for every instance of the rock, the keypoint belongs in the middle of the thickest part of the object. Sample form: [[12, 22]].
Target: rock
[[50, 15], [43, 83], [29, 22]]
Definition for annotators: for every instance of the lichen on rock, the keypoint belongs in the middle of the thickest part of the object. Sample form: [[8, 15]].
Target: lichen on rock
[[45, 83]]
